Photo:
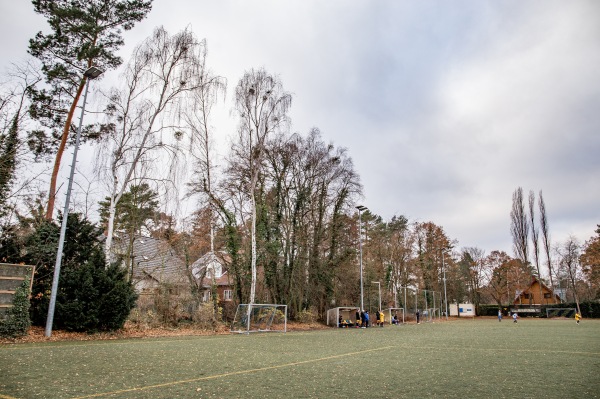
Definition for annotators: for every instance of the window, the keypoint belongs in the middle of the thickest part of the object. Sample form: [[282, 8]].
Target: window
[[206, 296], [547, 295], [227, 295]]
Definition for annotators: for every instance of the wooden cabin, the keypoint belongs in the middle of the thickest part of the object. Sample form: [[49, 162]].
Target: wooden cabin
[[531, 295]]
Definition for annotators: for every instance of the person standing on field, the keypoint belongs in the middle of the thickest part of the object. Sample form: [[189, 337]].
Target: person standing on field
[[418, 315], [499, 315], [515, 317], [577, 317]]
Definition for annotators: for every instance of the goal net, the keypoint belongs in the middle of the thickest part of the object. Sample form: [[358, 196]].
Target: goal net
[[552, 313], [394, 315], [259, 317]]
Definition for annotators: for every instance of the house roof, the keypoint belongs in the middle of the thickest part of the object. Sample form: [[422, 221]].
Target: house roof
[[152, 258], [211, 268], [528, 289]]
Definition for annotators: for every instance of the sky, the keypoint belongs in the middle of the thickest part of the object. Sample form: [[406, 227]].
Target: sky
[[445, 107]]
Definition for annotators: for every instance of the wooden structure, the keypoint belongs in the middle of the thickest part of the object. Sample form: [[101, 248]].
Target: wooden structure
[[11, 277], [531, 295]]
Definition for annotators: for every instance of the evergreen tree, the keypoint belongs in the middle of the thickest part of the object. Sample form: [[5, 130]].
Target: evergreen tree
[[90, 297], [94, 298], [136, 207], [84, 34], [8, 151]]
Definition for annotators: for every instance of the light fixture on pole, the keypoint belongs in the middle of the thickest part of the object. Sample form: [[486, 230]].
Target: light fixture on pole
[[379, 289], [360, 210], [91, 73]]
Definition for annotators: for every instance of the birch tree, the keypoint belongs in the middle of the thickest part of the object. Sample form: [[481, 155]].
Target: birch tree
[[163, 73], [201, 140], [261, 105]]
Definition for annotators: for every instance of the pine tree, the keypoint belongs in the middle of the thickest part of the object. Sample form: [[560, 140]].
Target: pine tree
[[84, 34]]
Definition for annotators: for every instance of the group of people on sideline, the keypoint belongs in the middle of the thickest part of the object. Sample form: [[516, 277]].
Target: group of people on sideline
[[363, 320]]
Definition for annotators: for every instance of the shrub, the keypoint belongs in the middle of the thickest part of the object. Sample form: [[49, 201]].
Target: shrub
[[17, 320], [306, 316], [94, 298]]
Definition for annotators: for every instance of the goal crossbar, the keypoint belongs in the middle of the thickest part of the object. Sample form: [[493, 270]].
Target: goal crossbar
[[259, 317]]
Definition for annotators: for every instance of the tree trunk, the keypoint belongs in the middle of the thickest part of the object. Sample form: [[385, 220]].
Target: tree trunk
[[61, 149]]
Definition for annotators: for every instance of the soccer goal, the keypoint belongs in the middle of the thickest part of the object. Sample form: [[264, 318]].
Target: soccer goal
[[553, 313], [259, 317], [397, 312]]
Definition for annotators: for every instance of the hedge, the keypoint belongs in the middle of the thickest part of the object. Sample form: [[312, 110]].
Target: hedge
[[589, 310], [17, 322]]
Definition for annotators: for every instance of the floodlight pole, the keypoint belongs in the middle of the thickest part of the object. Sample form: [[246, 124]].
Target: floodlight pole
[[405, 303], [89, 74], [445, 295], [379, 289], [361, 209]]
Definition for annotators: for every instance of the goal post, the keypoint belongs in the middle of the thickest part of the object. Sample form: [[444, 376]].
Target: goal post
[[391, 312], [560, 313], [259, 317]]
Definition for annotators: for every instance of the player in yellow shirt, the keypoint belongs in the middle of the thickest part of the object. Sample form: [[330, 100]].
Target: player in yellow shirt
[[577, 317]]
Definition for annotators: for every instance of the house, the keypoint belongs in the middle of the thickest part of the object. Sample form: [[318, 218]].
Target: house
[[211, 273], [531, 295], [151, 263]]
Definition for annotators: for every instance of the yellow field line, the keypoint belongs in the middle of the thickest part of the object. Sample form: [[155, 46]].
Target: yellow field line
[[232, 373], [148, 340], [6, 397], [499, 349]]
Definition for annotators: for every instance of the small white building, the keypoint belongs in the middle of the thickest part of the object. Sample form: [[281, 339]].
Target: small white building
[[465, 309]]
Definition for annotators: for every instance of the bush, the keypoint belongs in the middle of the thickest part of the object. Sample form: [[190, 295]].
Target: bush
[[488, 310], [94, 298], [17, 320], [90, 297], [306, 316]]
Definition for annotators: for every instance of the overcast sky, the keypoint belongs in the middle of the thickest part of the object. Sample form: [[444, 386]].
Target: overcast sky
[[446, 107]]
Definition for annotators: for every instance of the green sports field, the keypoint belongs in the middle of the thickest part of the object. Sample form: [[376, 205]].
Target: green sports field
[[455, 359]]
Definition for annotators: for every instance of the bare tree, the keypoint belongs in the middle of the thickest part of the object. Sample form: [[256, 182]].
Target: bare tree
[[519, 227], [534, 239], [164, 70], [545, 236], [262, 106], [13, 106], [201, 140], [474, 259], [570, 261]]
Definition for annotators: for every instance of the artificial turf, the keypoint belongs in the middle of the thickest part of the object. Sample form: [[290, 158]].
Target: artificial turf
[[479, 358]]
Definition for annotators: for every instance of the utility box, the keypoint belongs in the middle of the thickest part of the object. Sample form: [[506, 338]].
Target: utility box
[[464, 309]]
